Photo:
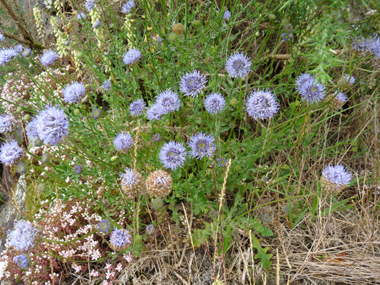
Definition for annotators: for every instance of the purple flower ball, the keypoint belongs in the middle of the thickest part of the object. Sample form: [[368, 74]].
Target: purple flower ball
[[104, 226], [6, 54], [129, 178], [169, 101], [106, 84], [21, 168], [78, 169], [286, 37], [202, 145], [6, 123], [10, 152], [349, 79], [261, 104], [214, 103], [156, 137], [222, 162], [227, 15], [52, 125], [123, 141], [81, 16], [137, 107], [96, 113], [238, 65], [73, 92], [32, 130], [337, 175], [127, 7], [97, 24], [131, 56], [155, 112], [23, 236], [310, 90], [173, 155], [27, 52], [48, 57], [340, 96], [192, 83], [120, 238], [21, 260], [90, 5]]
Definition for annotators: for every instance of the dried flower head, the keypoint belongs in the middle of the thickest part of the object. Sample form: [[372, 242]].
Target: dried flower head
[[96, 113], [157, 204], [10, 152], [238, 65], [335, 178], [212, 214], [52, 125], [104, 226], [123, 142], [6, 123], [346, 81], [155, 112], [178, 29], [127, 7], [120, 239], [21, 168], [132, 56], [159, 183], [262, 104], [192, 83], [202, 145], [214, 103], [336, 100], [48, 57], [23, 236], [137, 107], [21, 260], [132, 182], [173, 155], [73, 92], [169, 101], [106, 84]]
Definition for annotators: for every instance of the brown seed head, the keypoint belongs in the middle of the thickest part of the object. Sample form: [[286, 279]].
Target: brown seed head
[[159, 183]]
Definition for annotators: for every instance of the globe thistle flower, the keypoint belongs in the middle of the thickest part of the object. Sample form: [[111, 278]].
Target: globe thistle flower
[[97, 24], [45, 157], [159, 183], [23, 236], [21, 168], [262, 104], [104, 226], [302, 79], [48, 57], [21, 260], [132, 56], [31, 129], [371, 45], [96, 113], [120, 239], [106, 84], [2, 37], [336, 100], [178, 28], [173, 155], [169, 101], [52, 125], [227, 15], [6, 54], [157, 204], [81, 16], [6, 123], [127, 7], [286, 37], [18, 48], [214, 103], [192, 83], [238, 65], [311, 91], [222, 162], [10, 152], [132, 182], [156, 137], [27, 52], [335, 178], [78, 169], [266, 218], [155, 112], [149, 229], [137, 107], [73, 92], [202, 145], [37, 142], [90, 5], [123, 142]]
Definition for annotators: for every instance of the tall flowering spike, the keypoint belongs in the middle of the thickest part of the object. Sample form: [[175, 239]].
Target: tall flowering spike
[[169, 101], [132, 56], [52, 125], [238, 65], [106, 85], [90, 5], [10, 152], [227, 15], [155, 112], [127, 7], [215, 103], [137, 107], [192, 83], [132, 183], [335, 178], [48, 57], [159, 184], [104, 226], [123, 142], [336, 100], [21, 260], [23, 236], [262, 104], [173, 155], [6, 54], [73, 92], [120, 239], [202, 145], [6, 123]]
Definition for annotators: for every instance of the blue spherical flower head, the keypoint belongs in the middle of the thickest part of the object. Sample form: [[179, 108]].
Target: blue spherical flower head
[[21, 168], [120, 239], [335, 178], [192, 83], [6, 123], [97, 24], [10, 152], [73, 92], [81, 16], [6, 54], [132, 56], [106, 84], [238, 65], [90, 5], [286, 37], [340, 97], [312, 92], [127, 7], [78, 169], [96, 113], [137, 107], [156, 137], [227, 15], [349, 79], [1, 37], [104, 226], [155, 112], [32, 130], [262, 104], [48, 57], [173, 155], [222, 162], [214, 103], [123, 142], [302, 79], [169, 101], [18, 48], [27, 52], [52, 125], [202, 145], [21, 260], [23, 236]]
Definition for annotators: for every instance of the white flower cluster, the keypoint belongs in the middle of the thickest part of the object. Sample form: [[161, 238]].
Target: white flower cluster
[[61, 39]]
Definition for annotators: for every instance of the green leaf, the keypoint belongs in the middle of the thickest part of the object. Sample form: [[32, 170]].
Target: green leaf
[[262, 253]]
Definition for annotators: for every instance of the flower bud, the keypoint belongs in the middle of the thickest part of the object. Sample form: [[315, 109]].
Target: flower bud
[[76, 112], [114, 158], [19, 109], [26, 117], [196, 23], [173, 37], [178, 29]]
